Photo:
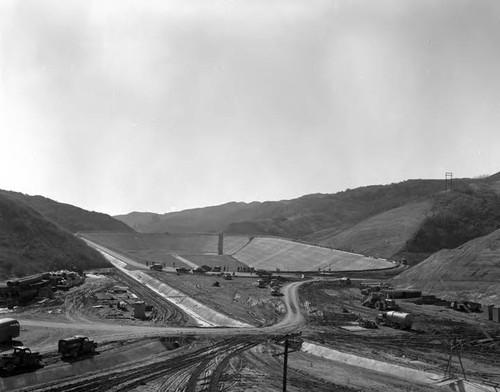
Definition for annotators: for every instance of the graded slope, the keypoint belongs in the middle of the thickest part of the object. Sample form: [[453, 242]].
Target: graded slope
[[271, 253], [383, 235], [67, 216], [471, 271], [29, 243], [171, 243]]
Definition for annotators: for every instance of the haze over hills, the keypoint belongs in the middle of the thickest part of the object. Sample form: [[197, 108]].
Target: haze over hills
[[29, 243], [71, 218]]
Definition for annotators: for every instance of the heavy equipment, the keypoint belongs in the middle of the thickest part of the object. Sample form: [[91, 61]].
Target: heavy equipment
[[380, 301], [366, 323], [9, 328], [276, 291], [156, 267], [21, 357], [398, 320], [76, 346]]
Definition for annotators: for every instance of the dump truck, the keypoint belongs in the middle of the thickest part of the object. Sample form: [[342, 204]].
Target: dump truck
[[76, 346], [398, 320], [9, 328], [21, 357], [379, 300]]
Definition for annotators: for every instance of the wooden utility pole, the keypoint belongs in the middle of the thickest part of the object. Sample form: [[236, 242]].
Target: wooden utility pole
[[286, 340]]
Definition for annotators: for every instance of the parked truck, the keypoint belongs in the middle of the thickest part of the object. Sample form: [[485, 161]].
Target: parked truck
[[20, 358], [9, 328], [76, 346], [398, 320]]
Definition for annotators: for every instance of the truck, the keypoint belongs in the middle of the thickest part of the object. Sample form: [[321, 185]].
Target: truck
[[20, 358], [9, 328], [156, 267], [398, 320], [379, 300], [76, 346]]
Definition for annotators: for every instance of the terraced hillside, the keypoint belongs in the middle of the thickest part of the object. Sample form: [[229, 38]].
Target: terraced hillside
[[383, 235], [471, 271], [271, 253]]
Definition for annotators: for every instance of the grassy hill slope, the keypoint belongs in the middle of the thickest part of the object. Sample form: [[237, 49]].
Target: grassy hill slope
[[383, 235], [71, 218], [295, 218], [29, 243], [471, 271]]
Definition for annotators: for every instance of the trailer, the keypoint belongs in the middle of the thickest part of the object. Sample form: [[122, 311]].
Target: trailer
[[9, 328], [398, 320]]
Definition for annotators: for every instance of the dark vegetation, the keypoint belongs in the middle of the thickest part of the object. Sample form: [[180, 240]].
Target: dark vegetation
[[29, 243], [457, 217], [71, 218]]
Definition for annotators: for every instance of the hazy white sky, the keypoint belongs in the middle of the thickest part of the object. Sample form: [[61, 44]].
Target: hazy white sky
[[118, 106]]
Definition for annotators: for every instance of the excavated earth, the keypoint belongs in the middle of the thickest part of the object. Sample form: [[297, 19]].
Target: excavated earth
[[167, 351]]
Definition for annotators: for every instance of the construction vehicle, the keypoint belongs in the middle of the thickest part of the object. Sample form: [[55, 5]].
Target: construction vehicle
[[465, 306], [398, 320], [379, 300], [261, 283], [275, 290], [21, 357], [345, 280], [76, 346], [366, 323], [156, 267], [367, 288], [9, 328]]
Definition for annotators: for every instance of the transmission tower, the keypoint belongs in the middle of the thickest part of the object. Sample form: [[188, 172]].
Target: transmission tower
[[448, 181]]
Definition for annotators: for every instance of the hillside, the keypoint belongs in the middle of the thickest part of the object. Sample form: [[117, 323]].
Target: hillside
[[471, 271], [29, 243], [71, 218], [295, 218], [383, 235]]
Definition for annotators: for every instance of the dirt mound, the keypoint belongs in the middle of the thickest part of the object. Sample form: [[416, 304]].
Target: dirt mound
[[471, 271]]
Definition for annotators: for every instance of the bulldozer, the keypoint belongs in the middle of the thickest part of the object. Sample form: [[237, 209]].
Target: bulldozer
[[21, 357], [379, 300]]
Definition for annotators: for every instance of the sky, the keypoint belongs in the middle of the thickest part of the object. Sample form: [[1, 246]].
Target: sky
[[130, 105]]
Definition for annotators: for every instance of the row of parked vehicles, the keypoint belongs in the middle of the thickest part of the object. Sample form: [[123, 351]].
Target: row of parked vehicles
[[23, 358]]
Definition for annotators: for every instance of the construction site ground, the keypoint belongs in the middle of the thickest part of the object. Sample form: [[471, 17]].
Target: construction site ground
[[142, 355]]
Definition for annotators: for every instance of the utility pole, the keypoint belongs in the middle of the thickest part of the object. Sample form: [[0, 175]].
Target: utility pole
[[286, 339]]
